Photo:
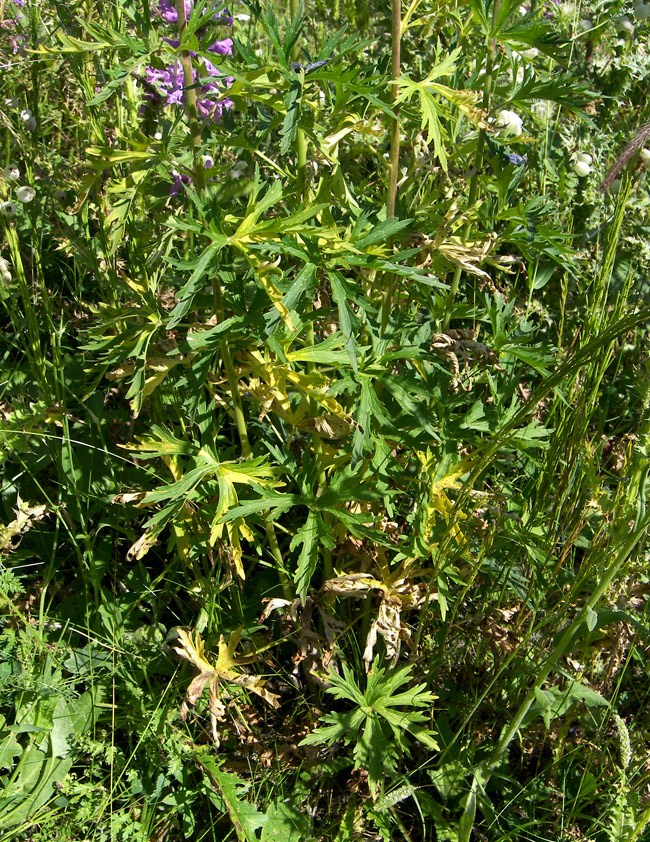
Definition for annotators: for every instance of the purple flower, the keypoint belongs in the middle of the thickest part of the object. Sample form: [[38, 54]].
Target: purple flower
[[222, 48], [170, 83], [20, 3], [177, 184], [167, 10], [180, 178], [17, 44]]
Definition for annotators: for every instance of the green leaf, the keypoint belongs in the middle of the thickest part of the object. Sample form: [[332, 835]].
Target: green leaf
[[286, 821], [194, 284], [312, 535], [591, 618], [245, 817]]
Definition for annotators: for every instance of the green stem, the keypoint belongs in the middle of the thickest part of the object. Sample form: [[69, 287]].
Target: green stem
[[301, 140], [190, 100], [478, 163], [328, 570], [396, 39]]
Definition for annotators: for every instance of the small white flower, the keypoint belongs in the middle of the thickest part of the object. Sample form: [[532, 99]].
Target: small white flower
[[25, 194], [242, 17], [8, 209], [25, 115], [208, 161], [642, 12], [509, 124], [5, 272], [158, 136], [11, 173], [645, 156]]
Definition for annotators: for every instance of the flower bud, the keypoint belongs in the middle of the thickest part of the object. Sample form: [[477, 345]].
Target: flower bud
[[585, 25], [580, 168], [25, 194], [583, 157], [11, 173]]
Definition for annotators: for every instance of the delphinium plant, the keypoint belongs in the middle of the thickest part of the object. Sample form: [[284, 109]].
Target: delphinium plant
[[324, 421]]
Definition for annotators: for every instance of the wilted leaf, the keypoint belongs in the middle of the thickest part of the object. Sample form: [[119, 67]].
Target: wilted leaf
[[226, 669]]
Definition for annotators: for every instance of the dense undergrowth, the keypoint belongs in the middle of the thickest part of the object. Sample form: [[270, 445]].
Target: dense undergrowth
[[325, 428]]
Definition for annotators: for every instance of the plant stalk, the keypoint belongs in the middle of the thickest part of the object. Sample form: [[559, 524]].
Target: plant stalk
[[396, 39], [190, 100]]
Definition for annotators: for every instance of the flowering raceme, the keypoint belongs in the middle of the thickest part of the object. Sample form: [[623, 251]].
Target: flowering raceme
[[167, 10], [169, 81]]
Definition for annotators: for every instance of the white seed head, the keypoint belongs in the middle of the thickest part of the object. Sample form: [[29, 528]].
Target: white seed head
[[25, 194], [625, 25], [11, 173], [8, 209]]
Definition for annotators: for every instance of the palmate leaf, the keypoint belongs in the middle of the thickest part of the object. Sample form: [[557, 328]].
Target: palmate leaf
[[431, 110], [375, 710]]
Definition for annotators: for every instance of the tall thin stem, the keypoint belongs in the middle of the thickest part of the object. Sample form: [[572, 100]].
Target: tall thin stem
[[396, 40], [301, 140], [190, 100], [478, 163]]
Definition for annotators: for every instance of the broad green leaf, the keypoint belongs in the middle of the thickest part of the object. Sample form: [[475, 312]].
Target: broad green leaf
[[245, 817]]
